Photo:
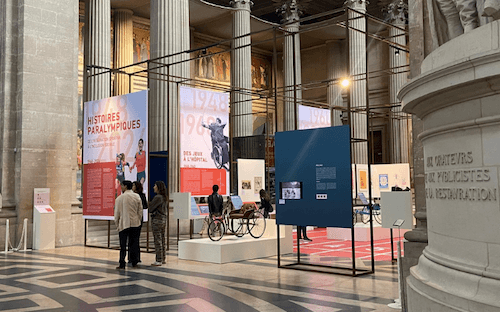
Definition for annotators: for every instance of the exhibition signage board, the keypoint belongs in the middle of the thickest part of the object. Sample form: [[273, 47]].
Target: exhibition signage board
[[313, 177], [396, 206], [251, 178], [204, 148], [115, 148], [383, 178], [312, 117]]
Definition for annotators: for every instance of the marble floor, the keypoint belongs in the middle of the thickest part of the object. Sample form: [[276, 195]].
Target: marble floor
[[84, 279]]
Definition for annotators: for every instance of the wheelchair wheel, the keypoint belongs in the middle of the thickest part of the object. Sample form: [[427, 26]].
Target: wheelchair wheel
[[216, 229], [377, 216], [236, 226], [256, 224], [217, 156]]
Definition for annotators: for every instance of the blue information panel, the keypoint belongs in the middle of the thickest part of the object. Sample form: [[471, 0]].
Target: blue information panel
[[194, 207], [237, 202], [313, 177]]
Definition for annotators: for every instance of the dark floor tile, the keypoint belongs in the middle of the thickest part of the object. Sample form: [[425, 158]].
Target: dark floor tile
[[13, 271], [71, 278], [121, 291], [168, 308], [17, 304]]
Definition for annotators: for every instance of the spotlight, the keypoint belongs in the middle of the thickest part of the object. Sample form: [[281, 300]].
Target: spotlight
[[396, 52], [345, 83]]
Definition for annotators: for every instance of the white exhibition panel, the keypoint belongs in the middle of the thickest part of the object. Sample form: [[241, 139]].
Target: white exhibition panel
[[44, 227], [312, 117], [395, 206], [251, 179], [231, 248], [383, 178], [361, 233], [182, 205]]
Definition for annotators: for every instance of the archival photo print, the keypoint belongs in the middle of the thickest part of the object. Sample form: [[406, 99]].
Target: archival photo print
[[246, 185], [291, 190], [257, 184]]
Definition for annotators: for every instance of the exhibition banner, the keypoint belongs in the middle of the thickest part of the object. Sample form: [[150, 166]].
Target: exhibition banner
[[313, 177], [312, 117], [204, 149], [115, 148]]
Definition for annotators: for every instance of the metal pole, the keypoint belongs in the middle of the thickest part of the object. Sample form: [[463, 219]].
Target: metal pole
[[294, 84], [298, 243], [348, 94], [129, 83], [85, 233], [169, 157], [279, 242], [268, 185], [275, 70], [368, 143], [109, 233]]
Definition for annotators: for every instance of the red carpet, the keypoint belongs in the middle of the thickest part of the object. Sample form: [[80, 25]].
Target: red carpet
[[323, 247]]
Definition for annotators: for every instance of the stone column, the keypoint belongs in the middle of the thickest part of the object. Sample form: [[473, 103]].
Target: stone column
[[400, 125], [416, 239], [291, 11], [169, 35], [39, 74], [123, 47], [357, 71], [336, 71], [9, 24], [97, 48], [459, 269], [241, 71]]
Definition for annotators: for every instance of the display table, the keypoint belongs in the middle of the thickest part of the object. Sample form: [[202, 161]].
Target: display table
[[361, 232], [231, 248]]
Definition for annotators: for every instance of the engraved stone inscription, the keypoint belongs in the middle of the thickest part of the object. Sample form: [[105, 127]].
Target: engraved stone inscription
[[455, 183]]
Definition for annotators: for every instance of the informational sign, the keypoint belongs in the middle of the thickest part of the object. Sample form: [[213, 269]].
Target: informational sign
[[204, 132], [251, 173], [115, 148], [313, 175], [312, 117], [41, 196]]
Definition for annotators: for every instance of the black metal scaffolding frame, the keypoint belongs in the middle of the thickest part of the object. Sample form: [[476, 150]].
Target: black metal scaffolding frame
[[275, 94]]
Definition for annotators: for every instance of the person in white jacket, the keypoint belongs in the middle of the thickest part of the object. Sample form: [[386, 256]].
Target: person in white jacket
[[128, 214]]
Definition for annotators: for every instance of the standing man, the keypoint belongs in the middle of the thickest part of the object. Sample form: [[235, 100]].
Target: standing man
[[140, 163], [128, 214]]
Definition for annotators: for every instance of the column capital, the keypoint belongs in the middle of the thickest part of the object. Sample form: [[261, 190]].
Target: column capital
[[358, 5], [241, 4], [396, 12], [290, 10]]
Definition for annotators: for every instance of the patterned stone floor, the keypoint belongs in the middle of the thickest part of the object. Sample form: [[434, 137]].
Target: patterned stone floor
[[85, 279]]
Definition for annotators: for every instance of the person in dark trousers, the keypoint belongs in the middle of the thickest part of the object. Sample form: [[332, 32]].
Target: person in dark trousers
[[301, 233], [215, 202], [137, 188], [158, 210], [128, 214], [265, 203]]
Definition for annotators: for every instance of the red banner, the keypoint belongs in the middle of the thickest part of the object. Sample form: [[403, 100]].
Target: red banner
[[199, 181], [99, 189]]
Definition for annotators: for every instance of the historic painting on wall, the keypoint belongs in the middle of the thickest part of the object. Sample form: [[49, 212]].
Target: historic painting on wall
[[213, 67], [141, 45], [261, 72]]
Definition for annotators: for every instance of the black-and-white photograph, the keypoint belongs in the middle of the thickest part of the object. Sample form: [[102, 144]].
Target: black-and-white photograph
[[246, 185], [291, 190]]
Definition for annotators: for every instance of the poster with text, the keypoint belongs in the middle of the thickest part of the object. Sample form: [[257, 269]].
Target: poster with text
[[204, 136], [115, 148], [312, 117]]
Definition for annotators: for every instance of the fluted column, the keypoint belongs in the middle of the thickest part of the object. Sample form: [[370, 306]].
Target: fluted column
[[336, 71], [291, 47], [97, 48], [124, 47], [169, 35], [357, 70], [241, 71], [398, 62]]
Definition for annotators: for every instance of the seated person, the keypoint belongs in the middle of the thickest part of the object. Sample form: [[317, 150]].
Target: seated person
[[215, 202]]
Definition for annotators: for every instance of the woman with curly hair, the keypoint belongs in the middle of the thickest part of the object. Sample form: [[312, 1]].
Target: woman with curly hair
[[158, 209]]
